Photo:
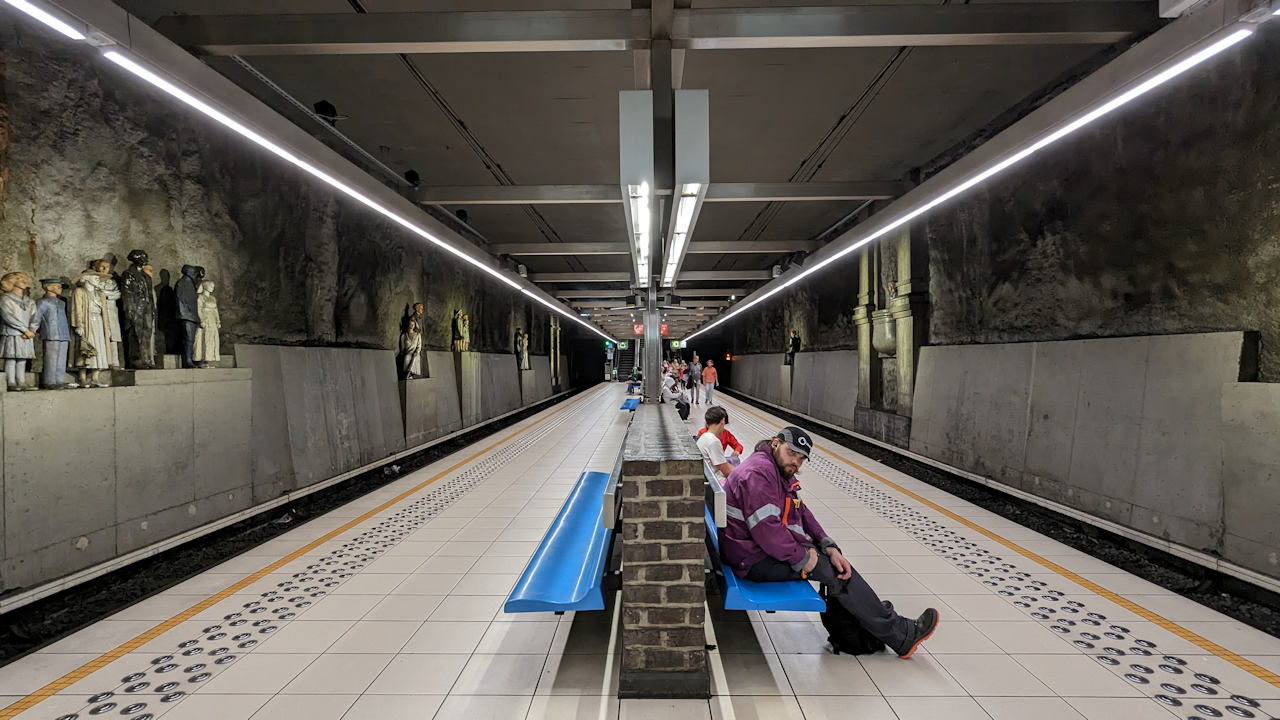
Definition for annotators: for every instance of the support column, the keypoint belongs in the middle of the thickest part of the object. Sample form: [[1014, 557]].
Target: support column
[[663, 586], [910, 307], [870, 376], [651, 348]]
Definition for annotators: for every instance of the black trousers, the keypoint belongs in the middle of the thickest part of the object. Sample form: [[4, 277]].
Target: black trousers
[[854, 594], [188, 342]]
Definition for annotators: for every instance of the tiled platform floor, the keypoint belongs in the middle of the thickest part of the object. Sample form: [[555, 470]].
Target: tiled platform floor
[[412, 627]]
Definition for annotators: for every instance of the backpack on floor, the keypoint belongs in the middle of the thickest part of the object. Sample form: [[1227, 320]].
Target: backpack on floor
[[846, 634]]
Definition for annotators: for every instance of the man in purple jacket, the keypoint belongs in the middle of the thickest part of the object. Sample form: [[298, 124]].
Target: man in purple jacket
[[770, 536]]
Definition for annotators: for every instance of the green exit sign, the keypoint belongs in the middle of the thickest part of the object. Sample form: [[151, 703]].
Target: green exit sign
[[622, 344]]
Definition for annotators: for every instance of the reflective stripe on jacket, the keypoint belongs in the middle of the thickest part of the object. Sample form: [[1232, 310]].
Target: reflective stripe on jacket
[[765, 517]]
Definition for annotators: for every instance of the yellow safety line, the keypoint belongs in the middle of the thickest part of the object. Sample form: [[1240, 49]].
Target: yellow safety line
[[1241, 662], [146, 636]]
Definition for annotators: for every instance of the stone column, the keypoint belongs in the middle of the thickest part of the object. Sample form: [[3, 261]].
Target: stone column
[[663, 547], [870, 376], [910, 308]]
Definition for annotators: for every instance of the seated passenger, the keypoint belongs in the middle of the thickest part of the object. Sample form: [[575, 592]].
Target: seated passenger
[[732, 448], [770, 536], [709, 442]]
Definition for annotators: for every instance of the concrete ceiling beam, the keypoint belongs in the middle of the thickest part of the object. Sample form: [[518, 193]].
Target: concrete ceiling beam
[[568, 248], [1097, 23], [608, 194]]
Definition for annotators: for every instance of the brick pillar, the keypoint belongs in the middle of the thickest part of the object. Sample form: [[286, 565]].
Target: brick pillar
[[663, 546]]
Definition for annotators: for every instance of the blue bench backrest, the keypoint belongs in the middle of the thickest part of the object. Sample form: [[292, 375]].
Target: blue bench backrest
[[567, 570], [742, 594]]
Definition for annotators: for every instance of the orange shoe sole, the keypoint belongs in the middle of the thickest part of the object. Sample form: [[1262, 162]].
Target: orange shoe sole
[[921, 640]]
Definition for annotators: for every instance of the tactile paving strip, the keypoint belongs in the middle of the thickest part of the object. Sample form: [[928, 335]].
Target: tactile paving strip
[[148, 693], [1089, 631]]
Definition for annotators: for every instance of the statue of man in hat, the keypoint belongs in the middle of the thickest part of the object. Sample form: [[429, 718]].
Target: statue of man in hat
[[139, 301]]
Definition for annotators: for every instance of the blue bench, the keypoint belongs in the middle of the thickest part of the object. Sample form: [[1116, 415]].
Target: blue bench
[[630, 403], [742, 594], [567, 570]]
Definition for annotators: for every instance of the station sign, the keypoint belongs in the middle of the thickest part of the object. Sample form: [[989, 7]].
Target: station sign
[[637, 328], [662, 328], [622, 344]]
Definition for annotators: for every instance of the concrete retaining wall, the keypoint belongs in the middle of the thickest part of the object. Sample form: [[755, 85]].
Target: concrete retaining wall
[[826, 386], [1155, 432], [764, 377], [89, 475], [319, 412]]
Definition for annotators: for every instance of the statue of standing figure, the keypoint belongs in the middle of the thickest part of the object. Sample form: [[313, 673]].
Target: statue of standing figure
[[522, 349], [139, 304], [111, 291], [207, 349], [92, 308], [411, 350], [20, 323], [455, 332], [186, 291], [56, 330], [466, 332]]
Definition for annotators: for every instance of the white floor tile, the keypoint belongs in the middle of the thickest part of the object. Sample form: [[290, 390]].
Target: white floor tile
[[306, 636], [372, 636], [418, 674], [259, 673], [405, 608], [521, 638], [394, 707], [1021, 708], [1022, 637], [1128, 708], [992, 675], [1077, 675], [500, 675], [562, 707], [836, 707], [485, 707], [468, 608], [580, 675], [932, 708], [213, 706], [312, 707], [755, 708]]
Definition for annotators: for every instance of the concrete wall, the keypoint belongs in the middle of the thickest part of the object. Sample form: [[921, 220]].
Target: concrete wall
[[1156, 433], [319, 412], [430, 405], [763, 376], [535, 383], [826, 386], [92, 474]]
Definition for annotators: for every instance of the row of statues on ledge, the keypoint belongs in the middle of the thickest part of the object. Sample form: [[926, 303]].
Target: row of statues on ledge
[[409, 359], [107, 322]]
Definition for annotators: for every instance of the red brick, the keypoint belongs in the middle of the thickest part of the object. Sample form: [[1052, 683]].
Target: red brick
[[684, 638], [663, 573], [664, 487], [641, 509], [667, 616], [685, 551], [697, 615], [661, 530], [641, 552], [642, 594], [633, 658], [631, 572], [686, 594], [641, 468], [679, 509]]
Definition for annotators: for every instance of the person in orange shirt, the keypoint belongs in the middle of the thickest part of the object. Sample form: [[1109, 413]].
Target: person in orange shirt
[[709, 378]]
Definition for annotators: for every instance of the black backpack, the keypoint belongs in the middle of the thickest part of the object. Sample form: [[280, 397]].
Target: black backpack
[[846, 634]]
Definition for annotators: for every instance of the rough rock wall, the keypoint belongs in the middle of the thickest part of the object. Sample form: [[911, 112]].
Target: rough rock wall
[[1162, 219], [93, 164], [820, 309]]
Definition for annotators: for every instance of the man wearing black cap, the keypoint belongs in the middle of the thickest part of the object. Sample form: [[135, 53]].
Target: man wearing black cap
[[770, 536]]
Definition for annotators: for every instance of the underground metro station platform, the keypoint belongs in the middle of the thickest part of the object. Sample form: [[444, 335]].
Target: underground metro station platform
[[658, 359]]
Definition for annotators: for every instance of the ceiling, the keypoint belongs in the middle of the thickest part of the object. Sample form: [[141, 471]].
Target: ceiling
[[777, 115]]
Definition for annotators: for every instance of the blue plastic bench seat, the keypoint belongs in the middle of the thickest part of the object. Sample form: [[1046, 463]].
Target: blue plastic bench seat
[[630, 403], [742, 594], [567, 571]]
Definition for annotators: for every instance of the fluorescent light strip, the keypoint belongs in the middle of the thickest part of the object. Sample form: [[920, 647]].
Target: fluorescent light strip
[[680, 233], [1098, 112], [263, 142], [47, 19]]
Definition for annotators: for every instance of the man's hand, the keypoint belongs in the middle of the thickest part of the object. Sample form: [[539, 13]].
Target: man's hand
[[810, 561], [843, 569]]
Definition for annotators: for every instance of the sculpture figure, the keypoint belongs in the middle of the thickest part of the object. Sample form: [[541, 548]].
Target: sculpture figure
[[793, 347], [207, 350], [466, 332], [20, 322], [411, 351], [139, 305], [187, 311], [522, 349], [57, 335], [92, 309], [455, 331], [106, 285]]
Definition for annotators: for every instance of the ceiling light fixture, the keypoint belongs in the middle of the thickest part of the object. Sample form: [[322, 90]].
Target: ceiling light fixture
[[641, 227], [258, 139], [48, 19], [1100, 111], [690, 194]]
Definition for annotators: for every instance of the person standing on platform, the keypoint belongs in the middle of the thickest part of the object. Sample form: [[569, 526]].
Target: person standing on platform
[[709, 379], [709, 442], [695, 374], [770, 536]]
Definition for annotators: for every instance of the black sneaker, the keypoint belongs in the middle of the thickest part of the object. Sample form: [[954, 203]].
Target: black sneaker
[[923, 628]]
